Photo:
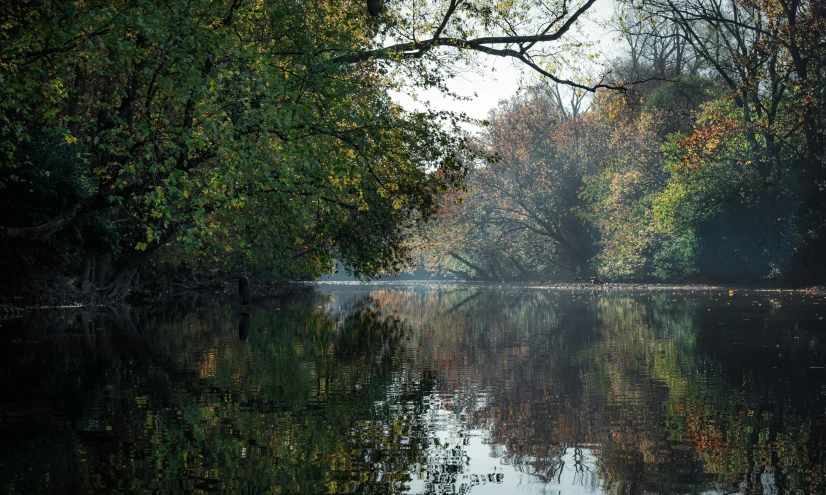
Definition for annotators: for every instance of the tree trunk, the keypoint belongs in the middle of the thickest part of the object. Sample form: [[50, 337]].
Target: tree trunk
[[244, 289], [120, 283], [479, 271], [522, 271], [85, 280], [102, 269]]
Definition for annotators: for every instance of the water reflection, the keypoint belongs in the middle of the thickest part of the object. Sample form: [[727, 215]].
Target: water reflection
[[421, 389], [244, 327]]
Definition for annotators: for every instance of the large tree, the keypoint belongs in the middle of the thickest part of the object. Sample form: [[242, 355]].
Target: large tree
[[519, 218]]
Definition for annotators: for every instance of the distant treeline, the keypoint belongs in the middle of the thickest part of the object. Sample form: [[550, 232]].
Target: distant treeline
[[710, 166]]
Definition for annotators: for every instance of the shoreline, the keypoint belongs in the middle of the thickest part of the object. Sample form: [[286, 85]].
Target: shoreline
[[267, 289]]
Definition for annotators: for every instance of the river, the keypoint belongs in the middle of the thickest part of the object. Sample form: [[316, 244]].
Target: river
[[421, 388]]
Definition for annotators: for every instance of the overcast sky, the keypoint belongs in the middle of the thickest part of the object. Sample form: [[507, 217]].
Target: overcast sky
[[502, 76]]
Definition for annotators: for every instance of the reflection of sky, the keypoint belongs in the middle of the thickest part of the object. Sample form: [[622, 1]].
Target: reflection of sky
[[462, 460], [482, 468]]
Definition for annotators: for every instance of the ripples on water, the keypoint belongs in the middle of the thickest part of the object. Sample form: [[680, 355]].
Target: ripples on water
[[422, 389]]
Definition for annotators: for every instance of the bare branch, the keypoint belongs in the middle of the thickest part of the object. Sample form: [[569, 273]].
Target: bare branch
[[491, 45]]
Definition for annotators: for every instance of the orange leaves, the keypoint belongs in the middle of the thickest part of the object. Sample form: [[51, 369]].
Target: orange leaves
[[702, 146]]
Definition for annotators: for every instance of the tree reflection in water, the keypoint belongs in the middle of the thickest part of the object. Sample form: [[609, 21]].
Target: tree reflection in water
[[420, 388], [670, 391]]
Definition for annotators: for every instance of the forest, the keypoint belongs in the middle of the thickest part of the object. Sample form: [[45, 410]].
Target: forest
[[167, 144], [707, 167]]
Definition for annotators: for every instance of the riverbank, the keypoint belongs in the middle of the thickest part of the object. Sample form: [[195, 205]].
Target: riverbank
[[588, 286], [58, 292]]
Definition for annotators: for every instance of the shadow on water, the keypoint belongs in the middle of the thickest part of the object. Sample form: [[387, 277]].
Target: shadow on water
[[170, 400], [451, 389], [244, 327]]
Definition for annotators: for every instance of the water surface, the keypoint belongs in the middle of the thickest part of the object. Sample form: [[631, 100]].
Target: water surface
[[420, 388]]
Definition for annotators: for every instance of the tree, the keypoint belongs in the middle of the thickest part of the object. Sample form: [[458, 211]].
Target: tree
[[521, 206]]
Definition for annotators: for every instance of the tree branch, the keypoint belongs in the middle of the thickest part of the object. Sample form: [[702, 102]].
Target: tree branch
[[485, 44], [44, 231]]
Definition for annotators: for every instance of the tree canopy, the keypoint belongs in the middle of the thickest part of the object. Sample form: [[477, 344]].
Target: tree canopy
[[243, 134], [263, 136], [709, 166]]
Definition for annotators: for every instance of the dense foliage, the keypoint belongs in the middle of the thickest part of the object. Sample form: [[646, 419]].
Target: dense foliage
[[236, 134], [710, 166], [203, 138], [219, 127]]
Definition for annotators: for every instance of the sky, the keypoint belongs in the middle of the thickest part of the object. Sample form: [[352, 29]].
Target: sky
[[502, 76]]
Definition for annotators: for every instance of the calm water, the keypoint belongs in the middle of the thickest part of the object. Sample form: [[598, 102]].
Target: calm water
[[420, 389]]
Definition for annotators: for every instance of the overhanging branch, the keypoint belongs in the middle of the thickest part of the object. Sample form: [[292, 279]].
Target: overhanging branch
[[500, 46]]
